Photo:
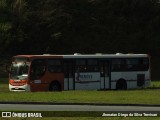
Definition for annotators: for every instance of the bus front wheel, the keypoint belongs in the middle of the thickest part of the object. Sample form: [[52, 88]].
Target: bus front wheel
[[55, 86]]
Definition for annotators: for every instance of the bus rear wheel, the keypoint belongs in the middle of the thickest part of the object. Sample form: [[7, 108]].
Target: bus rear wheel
[[121, 85], [55, 86]]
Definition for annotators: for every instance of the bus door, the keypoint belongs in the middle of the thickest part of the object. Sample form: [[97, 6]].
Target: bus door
[[37, 73], [104, 75], [68, 75], [87, 75]]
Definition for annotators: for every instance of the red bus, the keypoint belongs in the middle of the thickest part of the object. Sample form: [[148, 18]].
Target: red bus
[[79, 72]]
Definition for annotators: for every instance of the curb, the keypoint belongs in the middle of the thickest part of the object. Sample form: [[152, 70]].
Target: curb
[[96, 104]]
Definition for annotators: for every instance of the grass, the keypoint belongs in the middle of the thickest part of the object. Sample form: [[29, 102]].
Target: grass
[[111, 97], [145, 96], [155, 85], [4, 84]]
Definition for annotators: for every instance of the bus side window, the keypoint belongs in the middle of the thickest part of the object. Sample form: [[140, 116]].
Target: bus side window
[[137, 64], [81, 65], [92, 65], [118, 65], [143, 64], [38, 69], [55, 66]]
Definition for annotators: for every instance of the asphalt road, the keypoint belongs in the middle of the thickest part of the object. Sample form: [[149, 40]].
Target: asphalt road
[[31, 107]]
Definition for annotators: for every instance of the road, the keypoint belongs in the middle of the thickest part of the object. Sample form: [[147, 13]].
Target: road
[[31, 107]]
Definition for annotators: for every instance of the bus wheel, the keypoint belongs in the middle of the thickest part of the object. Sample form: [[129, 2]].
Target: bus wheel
[[121, 85], [55, 86]]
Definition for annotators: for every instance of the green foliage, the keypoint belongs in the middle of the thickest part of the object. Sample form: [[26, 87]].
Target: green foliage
[[85, 26]]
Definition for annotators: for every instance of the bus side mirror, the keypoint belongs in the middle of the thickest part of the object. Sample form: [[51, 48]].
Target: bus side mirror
[[8, 68]]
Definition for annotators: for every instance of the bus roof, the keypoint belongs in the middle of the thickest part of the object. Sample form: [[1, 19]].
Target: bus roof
[[118, 55]]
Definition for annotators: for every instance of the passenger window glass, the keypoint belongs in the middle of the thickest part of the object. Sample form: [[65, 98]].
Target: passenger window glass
[[92, 65], [38, 69], [132, 64], [139, 64], [92, 62], [54, 66], [118, 65], [81, 66]]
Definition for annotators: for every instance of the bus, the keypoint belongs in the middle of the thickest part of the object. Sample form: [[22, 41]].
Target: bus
[[79, 72]]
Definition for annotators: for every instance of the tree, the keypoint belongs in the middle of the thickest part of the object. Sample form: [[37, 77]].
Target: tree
[[5, 26], [85, 26]]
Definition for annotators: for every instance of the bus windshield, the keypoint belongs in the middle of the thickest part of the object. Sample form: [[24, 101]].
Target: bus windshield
[[19, 71]]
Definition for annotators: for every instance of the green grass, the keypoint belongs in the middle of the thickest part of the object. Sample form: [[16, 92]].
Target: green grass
[[111, 97], [155, 85], [4, 84], [144, 96]]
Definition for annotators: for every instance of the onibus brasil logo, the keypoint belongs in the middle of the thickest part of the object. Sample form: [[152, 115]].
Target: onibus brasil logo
[[23, 114]]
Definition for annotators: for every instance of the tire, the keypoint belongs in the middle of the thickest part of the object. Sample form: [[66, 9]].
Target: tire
[[55, 86], [121, 85]]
